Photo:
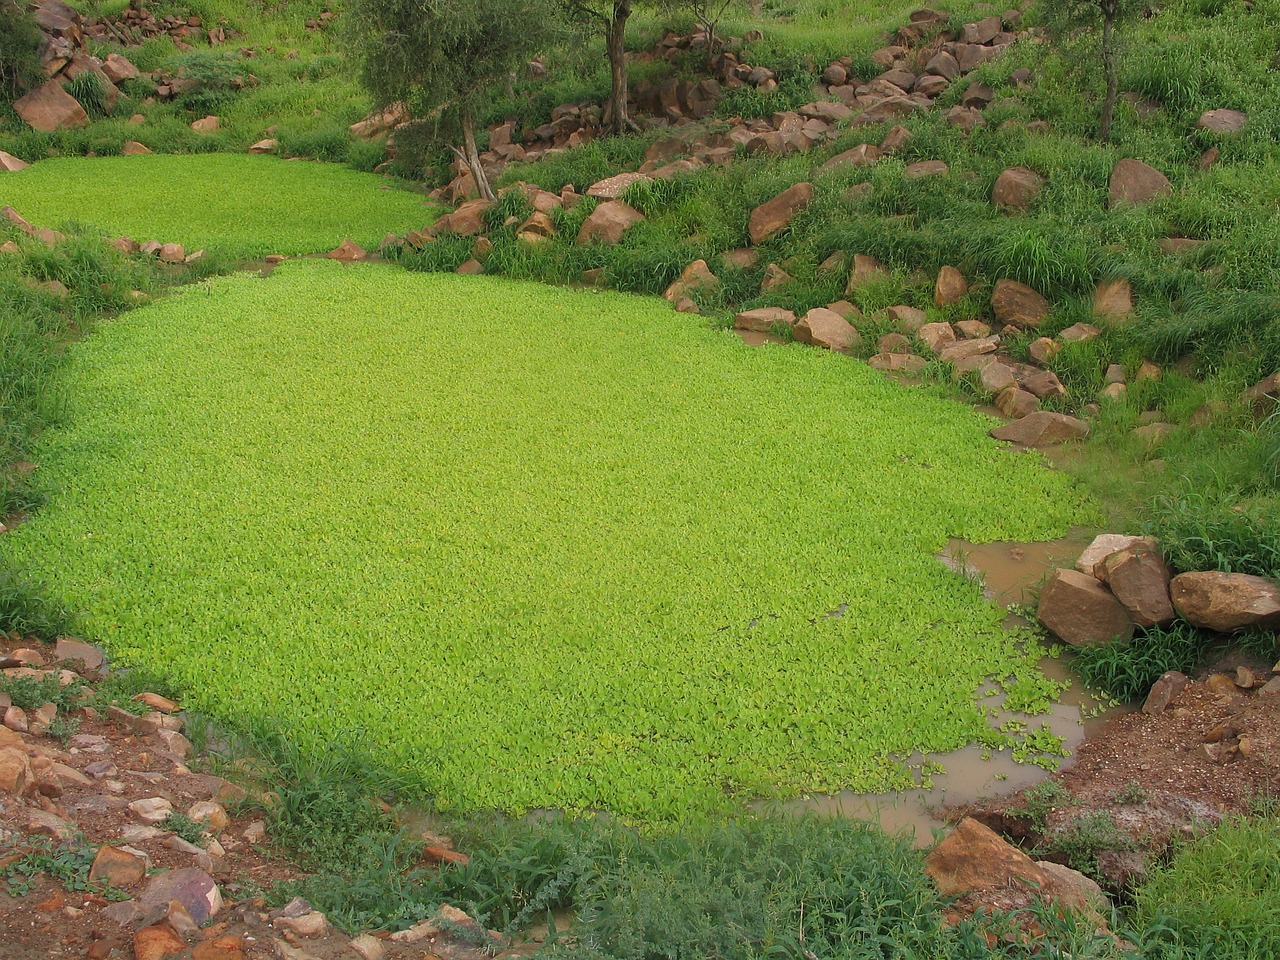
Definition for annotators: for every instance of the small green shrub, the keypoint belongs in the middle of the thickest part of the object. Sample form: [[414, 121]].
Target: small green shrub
[[184, 827], [91, 91], [1126, 670], [209, 80], [1038, 801], [20, 41]]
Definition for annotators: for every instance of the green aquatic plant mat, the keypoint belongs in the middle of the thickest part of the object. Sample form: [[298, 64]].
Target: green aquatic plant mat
[[536, 547], [244, 206]]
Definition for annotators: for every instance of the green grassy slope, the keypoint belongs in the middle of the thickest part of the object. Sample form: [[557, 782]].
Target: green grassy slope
[[540, 548]]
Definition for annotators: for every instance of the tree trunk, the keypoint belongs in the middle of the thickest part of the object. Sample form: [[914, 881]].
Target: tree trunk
[[1110, 70], [615, 36], [472, 156]]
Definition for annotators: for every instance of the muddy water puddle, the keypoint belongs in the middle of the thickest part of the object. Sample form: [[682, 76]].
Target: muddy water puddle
[[1008, 572]]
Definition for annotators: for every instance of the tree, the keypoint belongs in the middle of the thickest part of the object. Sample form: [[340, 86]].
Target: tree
[[708, 14], [446, 58], [609, 17], [1075, 19]]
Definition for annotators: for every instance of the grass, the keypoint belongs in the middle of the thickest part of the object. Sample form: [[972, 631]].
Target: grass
[[244, 206], [603, 546]]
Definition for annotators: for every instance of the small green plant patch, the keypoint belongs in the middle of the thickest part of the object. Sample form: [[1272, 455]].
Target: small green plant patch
[[535, 548], [242, 206]]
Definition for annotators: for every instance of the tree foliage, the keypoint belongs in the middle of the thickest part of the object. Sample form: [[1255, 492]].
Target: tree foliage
[[19, 42]]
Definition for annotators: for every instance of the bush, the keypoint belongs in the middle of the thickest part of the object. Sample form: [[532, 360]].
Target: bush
[[20, 42], [212, 80], [1127, 670]]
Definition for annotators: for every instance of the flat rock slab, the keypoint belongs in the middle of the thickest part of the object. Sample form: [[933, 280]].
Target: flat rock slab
[[1041, 429]]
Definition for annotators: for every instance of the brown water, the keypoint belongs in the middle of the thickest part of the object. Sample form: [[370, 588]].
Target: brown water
[[1007, 571]]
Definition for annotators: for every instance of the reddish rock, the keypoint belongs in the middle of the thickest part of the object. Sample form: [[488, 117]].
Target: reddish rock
[[1139, 579], [268, 145], [995, 378], [895, 140], [118, 69], [11, 164], [972, 329], [132, 148], [1134, 182], [743, 258], [950, 287], [1225, 602], [49, 108], [1080, 332], [15, 769], [1222, 121], [469, 220], [614, 187], [157, 942], [1093, 560], [762, 319], [1017, 188], [345, 252], [536, 228], [865, 269], [1081, 611], [826, 328], [845, 309], [863, 155], [983, 31], [470, 268], [1264, 396], [1113, 300], [1044, 384], [974, 861], [696, 277], [943, 64], [892, 343], [1017, 304], [886, 109], [208, 124], [774, 276], [1016, 404], [609, 223], [1041, 429], [1043, 349], [936, 335], [1164, 691], [190, 886], [925, 168], [119, 868], [909, 319], [772, 217], [905, 363]]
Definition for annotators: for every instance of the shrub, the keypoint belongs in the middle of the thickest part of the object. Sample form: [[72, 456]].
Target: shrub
[[20, 42], [89, 89], [210, 80], [1127, 670]]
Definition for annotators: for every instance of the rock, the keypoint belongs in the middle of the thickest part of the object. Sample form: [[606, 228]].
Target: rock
[[611, 188], [762, 319], [892, 343], [470, 268], [310, 924], [1222, 121], [156, 702], [380, 123], [1134, 182], [1093, 560], [1225, 602], [609, 223], [132, 148], [1081, 611], [11, 164], [1080, 332], [1264, 396], [369, 948], [220, 948], [15, 718], [845, 309], [1081, 888], [1140, 580], [1016, 188], [743, 258], [15, 771], [895, 140], [1044, 384], [1041, 429], [255, 832], [46, 824], [821, 327], [49, 108], [995, 378], [1113, 300], [1164, 691], [904, 363], [190, 886], [157, 942], [865, 269], [974, 859], [972, 329], [1017, 404], [267, 145], [774, 276], [950, 287], [1017, 304], [118, 69], [696, 277], [117, 867], [925, 168], [151, 809], [982, 32], [886, 109], [772, 217], [347, 252], [536, 228], [468, 220], [208, 124], [1043, 349], [1123, 870], [863, 155], [967, 349], [936, 335], [943, 64], [211, 814]]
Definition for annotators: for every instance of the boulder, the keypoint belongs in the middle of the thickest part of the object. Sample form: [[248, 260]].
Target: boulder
[[469, 220], [611, 188], [132, 148], [536, 228], [1164, 691], [120, 868], [11, 164], [762, 319], [208, 124], [865, 269], [1017, 304], [1222, 121], [925, 168], [1043, 349], [1044, 384], [1016, 188], [609, 223], [49, 108], [863, 155], [772, 217], [995, 378], [974, 860], [886, 109], [905, 363], [1113, 299], [936, 335], [696, 277], [1140, 580], [1016, 403], [118, 69], [950, 287], [346, 252], [821, 327], [1134, 182], [267, 145], [984, 31], [157, 941], [1081, 611], [943, 64], [1225, 602], [1264, 396], [190, 886], [774, 276], [1042, 429], [972, 329], [1080, 332], [895, 139], [1093, 560]]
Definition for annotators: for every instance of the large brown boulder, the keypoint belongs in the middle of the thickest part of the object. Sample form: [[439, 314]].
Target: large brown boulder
[[762, 319], [773, 216], [1081, 611], [865, 269], [1135, 182], [1113, 299], [950, 287], [1226, 601], [977, 865], [1264, 396], [11, 164], [1140, 580], [1016, 188], [1017, 304], [863, 155], [467, 221], [886, 109], [1093, 560], [1222, 121], [609, 223], [118, 69], [1042, 429], [696, 277], [611, 188], [49, 108], [826, 328]]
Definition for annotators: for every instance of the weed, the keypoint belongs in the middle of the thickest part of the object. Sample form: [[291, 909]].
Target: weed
[[67, 864], [1081, 840], [30, 693], [1131, 793], [184, 827], [1039, 801], [1126, 670]]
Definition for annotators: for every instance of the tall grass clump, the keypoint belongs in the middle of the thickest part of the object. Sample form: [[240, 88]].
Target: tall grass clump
[[1126, 670]]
